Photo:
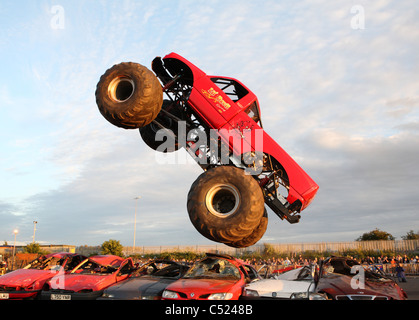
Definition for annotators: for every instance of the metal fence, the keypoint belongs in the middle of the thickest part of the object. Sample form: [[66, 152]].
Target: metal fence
[[393, 246], [409, 268]]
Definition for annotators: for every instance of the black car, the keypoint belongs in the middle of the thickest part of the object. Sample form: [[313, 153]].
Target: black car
[[147, 282]]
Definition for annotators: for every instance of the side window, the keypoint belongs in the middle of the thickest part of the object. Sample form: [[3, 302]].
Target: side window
[[126, 269], [231, 88], [250, 272], [253, 112]]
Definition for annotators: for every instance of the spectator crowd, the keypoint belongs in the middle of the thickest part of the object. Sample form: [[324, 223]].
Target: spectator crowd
[[300, 260]]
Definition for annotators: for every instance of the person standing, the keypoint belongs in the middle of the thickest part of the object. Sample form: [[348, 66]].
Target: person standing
[[400, 273]]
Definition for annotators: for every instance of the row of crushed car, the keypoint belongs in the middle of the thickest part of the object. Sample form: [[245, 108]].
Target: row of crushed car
[[71, 276]]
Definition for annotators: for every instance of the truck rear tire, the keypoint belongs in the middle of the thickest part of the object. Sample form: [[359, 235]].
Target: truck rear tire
[[129, 95], [225, 205], [254, 237]]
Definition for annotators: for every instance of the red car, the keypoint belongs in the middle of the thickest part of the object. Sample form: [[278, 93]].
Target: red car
[[88, 280], [216, 277], [27, 283], [345, 279], [217, 120]]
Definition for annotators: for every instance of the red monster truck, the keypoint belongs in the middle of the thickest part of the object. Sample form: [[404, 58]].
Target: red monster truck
[[217, 120]]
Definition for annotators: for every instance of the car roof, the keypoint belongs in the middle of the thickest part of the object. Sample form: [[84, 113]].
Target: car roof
[[61, 254], [225, 256], [228, 257], [107, 260]]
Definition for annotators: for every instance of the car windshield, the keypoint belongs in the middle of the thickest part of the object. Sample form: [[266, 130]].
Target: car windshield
[[160, 269], [350, 267], [43, 263], [91, 267], [305, 274], [340, 266], [213, 268], [297, 274]]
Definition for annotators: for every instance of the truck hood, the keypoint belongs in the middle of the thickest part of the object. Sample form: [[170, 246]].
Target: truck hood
[[25, 277]]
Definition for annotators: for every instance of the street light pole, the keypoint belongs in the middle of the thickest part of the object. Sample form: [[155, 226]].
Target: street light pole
[[135, 221], [14, 247], [34, 229]]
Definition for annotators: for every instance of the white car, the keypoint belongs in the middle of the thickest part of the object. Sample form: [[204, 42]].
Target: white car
[[293, 284]]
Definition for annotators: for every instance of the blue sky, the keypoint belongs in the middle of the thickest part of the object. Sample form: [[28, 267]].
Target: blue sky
[[343, 101]]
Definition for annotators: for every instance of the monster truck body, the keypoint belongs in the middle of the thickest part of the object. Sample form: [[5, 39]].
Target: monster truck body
[[227, 114]]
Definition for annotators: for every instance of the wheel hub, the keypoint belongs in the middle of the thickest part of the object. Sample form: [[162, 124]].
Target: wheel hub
[[222, 200], [121, 89]]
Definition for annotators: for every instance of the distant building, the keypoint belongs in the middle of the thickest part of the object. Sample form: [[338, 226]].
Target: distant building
[[7, 250]]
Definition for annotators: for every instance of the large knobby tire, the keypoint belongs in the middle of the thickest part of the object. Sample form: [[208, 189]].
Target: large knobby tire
[[254, 237], [129, 95], [225, 205]]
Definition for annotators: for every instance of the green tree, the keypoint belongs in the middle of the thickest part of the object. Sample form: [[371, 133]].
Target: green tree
[[375, 234], [411, 235], [112, 247], [32, 248], [268, 250]]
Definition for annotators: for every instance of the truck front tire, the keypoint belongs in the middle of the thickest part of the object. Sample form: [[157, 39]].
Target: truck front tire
[[225, 205]]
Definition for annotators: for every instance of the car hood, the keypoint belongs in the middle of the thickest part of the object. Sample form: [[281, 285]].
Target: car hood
[[146, 287], [341, 285], [77, 282], [202, 286], [25, 277], [279, 288]]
